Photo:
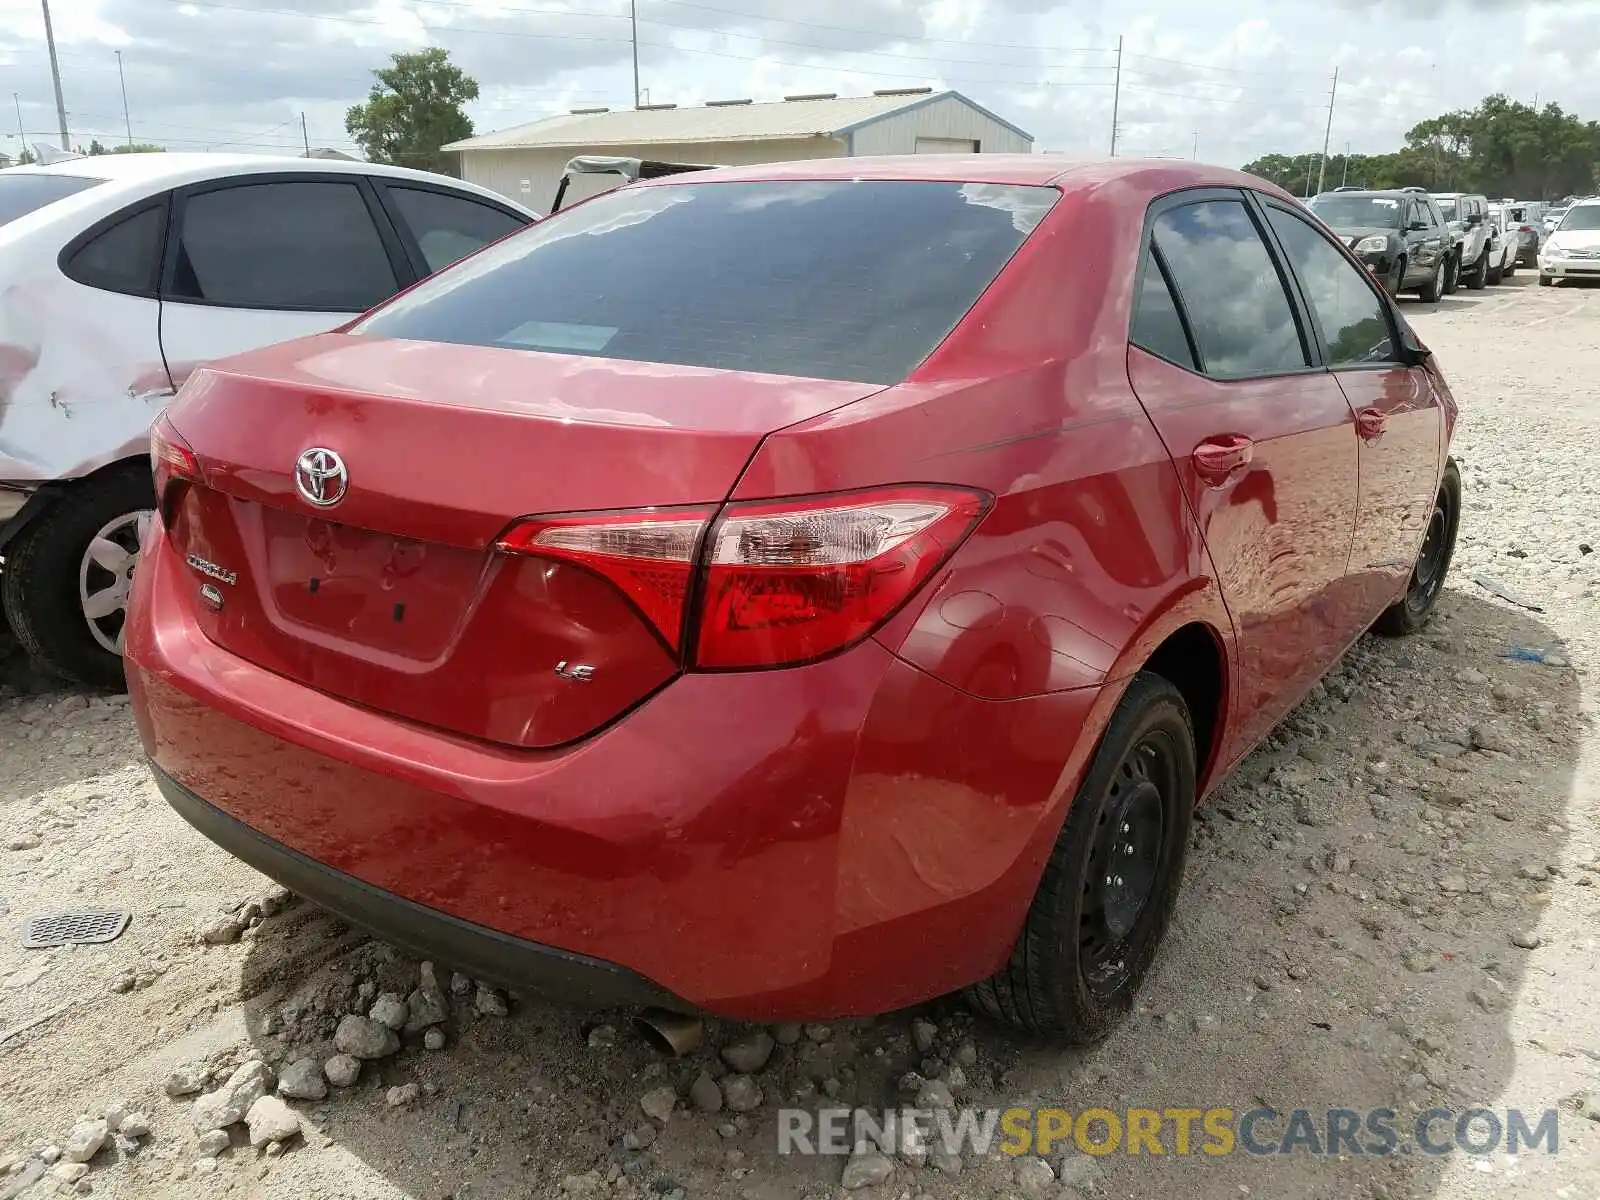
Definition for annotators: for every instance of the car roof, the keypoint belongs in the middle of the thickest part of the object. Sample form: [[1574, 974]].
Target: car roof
[[173, 169], [1019, 169]]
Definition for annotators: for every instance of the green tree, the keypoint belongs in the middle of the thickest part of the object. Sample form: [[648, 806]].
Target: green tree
[[139, 148], [413, 109], [26, 158], [96, 148]]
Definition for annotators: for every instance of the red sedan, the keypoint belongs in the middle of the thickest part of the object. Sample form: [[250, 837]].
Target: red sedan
[[791, 591]]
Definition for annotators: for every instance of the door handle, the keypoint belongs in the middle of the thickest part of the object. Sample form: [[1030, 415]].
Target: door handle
[[1217, 458], [1370, 423]]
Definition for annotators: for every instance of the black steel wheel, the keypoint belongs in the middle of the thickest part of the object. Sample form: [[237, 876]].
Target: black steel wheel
[[1411, 612]]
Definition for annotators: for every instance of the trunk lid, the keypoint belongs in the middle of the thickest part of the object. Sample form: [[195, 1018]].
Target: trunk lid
[[393, 597]]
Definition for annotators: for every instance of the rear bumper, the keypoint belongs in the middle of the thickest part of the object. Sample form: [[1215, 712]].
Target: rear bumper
[[483, 953], [832, 840]]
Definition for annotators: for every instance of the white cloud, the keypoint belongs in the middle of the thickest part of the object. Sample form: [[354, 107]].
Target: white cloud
[[1246, 78]]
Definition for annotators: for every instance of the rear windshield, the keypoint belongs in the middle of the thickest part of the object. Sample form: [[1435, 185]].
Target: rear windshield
[[22, 192], [1358, 212], [840, 279], [1584, 216]]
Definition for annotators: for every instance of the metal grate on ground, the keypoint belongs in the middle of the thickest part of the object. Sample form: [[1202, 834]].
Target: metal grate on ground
[[85, 928]]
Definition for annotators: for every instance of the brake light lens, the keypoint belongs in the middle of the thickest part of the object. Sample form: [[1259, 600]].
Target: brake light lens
[[649, 555], [170, 456], [794, 580], [784, 581]]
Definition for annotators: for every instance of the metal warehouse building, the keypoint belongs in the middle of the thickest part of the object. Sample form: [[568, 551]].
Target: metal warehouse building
[[525, 163]]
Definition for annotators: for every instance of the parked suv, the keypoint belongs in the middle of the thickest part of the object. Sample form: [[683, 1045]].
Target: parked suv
[[1467, 215], [118, 276], [1399, 236]]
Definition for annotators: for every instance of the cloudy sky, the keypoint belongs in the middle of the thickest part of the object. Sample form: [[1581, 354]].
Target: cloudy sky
[[1242, 78]]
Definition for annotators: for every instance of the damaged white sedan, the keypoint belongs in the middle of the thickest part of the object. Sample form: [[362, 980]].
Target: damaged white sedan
[[119, 274]]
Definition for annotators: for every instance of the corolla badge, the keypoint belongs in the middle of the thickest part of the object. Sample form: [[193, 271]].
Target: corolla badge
[[206, 567], [320, 477]]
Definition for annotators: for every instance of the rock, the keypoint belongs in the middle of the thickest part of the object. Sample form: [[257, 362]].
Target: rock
[[390, 1011], [935, 1093], [135, 1125], [123, 983], [750, 1053], [50, 1154], [433, 1039], [786, 1034], [114, 1113], [490, 1002], [818, 1033], [303, 1080], [274, 1149], [1452, 883], [399, 1097], [1486, 1000], [1312, 810], [742, 1093], [1533, 871], [70, 1172], [1487, 737], [85, 1140], [923, 1034], [640, 1138], [271, 1120], [1525, 941], [944, 1159], [225, 929], [23, 841], [705, 1094], [427, 1005], [602, 1037], [343, 1070], [187, 1080], [1263, 982], [230, 1102], [460, 985], [967, 1054], [1079, 1173], [866, 1170], [658, 1103], [213, 1142], [362, 1037], [1206, 1023], [206, 1166], [1034, 1176]]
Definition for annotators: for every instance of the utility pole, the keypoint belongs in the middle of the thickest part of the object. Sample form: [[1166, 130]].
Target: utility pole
[[22, 135], [304, 136], [55, 75], [1346, 178], [1196, 155], [126, 122], [633, 22], [1116, 98], [1328, 133]]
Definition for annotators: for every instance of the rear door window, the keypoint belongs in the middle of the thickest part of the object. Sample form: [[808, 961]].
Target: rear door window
[[287, 245], [837, 279], [1236, 301], [448, 228], [22, 192]]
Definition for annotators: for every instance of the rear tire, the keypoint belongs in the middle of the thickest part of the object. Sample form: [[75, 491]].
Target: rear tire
[[1106, 897], [1452, 275], [1496, 274], [1478, 278], [1434, 288], [50, 571], [1410, 613]]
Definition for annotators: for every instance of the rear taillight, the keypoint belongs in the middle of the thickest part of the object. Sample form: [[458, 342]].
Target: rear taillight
[[792, 580], [781, 581], [648, 555], [170, 456]]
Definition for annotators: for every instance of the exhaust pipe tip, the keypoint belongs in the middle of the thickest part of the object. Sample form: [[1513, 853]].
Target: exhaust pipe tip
[[674, 1034]]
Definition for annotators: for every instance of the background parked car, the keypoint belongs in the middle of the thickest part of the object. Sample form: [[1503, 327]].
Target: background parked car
[[1467, 216], [1505, 243], [1399, 236], [1573, 250], [1528, 218], [118, 275]]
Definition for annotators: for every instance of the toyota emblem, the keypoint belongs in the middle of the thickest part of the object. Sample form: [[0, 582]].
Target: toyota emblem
[[320, 477]]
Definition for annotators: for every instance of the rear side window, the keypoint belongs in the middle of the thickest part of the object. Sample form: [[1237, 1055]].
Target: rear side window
[[124, 258], [1157, 327], [282, 245], [828, 279], [1240, 314], [22, 192], [1349, 316], [448, 228]]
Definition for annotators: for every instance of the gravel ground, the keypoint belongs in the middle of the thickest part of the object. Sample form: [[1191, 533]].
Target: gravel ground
[[1393, 903]]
